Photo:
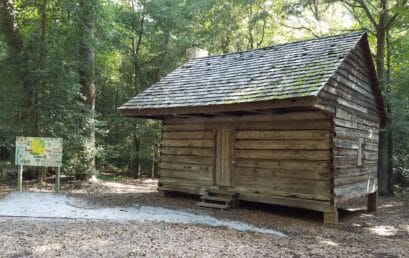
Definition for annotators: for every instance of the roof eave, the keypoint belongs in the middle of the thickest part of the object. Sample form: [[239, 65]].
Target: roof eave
[[160, 113]]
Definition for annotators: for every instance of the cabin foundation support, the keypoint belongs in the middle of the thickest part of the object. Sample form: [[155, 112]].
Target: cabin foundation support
[[372, 201], [164, 193], [331, 218]]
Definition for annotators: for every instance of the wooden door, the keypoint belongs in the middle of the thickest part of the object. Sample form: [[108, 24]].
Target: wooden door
[[224, 157]]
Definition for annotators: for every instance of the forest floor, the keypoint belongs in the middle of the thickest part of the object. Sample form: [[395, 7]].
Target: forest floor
[[359, 233]]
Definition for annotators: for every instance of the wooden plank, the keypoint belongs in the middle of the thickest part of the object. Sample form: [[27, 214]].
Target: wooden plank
[[283, 144], [345, 152], [183, 182], [339, 181], [310, 189], [187, 143], [185, 167], [190, 189], [285, 201], [289, 125], [187, 159], [193, 175], [350, 133], [315, 174], [284, 134], [188, 135], [291, 164], [284, 154], [306, 124], [358, 188], [207, 152]]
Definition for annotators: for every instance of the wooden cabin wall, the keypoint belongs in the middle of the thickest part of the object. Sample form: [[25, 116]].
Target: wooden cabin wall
[[186, 160], [280, 159], [349, 96], [290, 164]]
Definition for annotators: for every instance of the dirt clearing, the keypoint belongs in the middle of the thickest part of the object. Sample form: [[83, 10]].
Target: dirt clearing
[[359, 234]]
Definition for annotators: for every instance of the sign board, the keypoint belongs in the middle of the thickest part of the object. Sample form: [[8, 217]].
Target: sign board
[[39, 151]]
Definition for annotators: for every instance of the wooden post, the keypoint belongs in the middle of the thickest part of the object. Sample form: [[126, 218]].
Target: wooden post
[[331, 218], [372, 201], [20, 178], [57, 180]]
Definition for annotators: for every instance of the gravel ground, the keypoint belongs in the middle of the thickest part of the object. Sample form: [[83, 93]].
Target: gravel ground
[[359, 234]]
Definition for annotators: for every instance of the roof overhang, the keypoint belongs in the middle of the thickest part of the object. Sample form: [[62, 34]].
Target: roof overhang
[[160, 113]]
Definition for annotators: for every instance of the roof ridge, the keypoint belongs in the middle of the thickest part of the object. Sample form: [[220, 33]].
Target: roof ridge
[[283, 44]]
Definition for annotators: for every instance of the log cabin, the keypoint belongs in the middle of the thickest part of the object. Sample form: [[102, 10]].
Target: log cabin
[[294, 124]]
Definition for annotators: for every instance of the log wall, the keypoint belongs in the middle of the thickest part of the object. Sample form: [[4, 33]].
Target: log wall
[[348, 94], [280, 159]]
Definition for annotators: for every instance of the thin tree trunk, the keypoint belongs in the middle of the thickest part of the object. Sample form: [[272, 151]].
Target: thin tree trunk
[[87, 79], [42, 82], [391, 179], [136, 160]]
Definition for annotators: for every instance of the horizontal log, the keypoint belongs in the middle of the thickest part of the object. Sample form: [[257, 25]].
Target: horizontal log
[[187, 143], [291, 164], [283, 145], [359, 188], [187, 159], [339, 181], [192, 175], [186, 167], [310, 189], [306, 124], [284, 135], [283, 154], [285, 201], [188, 134], [345, 152], [322, 174], [207, 152], [183, 182], [355, 134]]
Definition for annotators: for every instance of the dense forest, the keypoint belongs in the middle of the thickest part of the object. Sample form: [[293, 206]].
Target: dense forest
[[67, 65]]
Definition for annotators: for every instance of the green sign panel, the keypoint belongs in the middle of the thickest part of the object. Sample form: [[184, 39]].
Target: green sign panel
[[38, 151]]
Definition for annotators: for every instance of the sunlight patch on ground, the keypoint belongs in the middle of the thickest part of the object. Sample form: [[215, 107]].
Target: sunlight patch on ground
[[384, 230], [329, 242]]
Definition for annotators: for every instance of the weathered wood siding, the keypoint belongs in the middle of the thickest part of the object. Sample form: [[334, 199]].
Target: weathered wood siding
[[186, 161], [281, 159], [348, 94]]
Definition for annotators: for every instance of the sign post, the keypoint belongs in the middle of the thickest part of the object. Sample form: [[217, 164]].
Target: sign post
[[40, 152]]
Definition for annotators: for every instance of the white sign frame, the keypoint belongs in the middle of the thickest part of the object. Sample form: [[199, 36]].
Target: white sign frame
[[44, 152]]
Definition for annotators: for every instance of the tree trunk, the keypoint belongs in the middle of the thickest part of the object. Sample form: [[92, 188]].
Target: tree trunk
[[14, 42], [42, 82], [383, 162], [391, 174], [87, 80], [136, 160]]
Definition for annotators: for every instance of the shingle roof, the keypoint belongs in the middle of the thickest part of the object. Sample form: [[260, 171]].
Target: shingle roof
[[284, 71]]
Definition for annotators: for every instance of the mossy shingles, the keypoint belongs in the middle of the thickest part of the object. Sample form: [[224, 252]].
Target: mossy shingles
[[284, 71]]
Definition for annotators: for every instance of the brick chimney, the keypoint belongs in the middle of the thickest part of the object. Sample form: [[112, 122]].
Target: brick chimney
[[195, 52]]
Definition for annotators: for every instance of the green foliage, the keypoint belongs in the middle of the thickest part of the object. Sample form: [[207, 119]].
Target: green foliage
[[139, 41]]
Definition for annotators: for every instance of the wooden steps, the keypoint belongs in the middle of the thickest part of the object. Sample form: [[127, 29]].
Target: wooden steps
[[218, 199]]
